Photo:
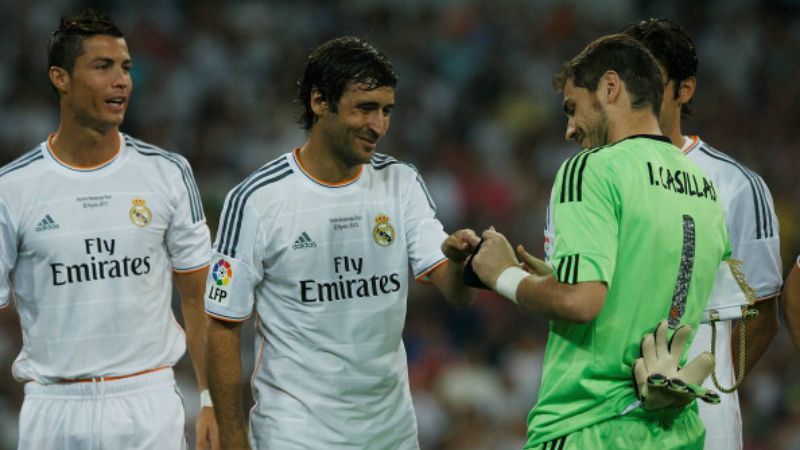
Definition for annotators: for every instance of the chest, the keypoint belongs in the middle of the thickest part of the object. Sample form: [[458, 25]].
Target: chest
[[61, 219]]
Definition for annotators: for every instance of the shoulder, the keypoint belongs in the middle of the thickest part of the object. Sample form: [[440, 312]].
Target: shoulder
[[268, 177], [23, 166], [722, 167], [387, 164], [156, 155]]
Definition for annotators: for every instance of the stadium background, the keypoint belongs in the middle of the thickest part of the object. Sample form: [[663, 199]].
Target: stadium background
[[475, 112]]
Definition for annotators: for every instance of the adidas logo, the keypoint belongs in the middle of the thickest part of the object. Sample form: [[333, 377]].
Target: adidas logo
[[304, 241], [47, 224]]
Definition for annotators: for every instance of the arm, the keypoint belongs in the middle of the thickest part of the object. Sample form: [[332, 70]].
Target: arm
[[791, 304], [759, 332], [191, 287], [224, 375], [539, 291], [448, 278]]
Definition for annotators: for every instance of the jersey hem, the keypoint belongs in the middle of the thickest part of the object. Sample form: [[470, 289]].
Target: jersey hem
[[764, 298], [226, 318], [423, 277], [192, 269]]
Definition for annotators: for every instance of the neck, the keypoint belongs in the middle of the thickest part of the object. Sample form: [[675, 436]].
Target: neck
[[674, 133], [84, 147], [631, 123], [323, 164]]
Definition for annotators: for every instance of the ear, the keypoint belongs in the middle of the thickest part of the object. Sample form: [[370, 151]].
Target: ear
[[686, 90], [318, 104], [610, 86], [60, 79]]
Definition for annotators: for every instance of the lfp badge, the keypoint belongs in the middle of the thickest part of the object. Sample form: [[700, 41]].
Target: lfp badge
[[222, 273]]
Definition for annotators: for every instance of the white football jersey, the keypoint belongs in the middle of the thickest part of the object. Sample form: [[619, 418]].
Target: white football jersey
[[328, 269], [753, 231], [88, 254]]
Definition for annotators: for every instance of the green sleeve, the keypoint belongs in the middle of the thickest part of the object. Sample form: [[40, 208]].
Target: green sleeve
[[585, 219]]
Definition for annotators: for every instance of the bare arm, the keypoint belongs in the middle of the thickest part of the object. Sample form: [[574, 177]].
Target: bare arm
[[191, 287], [791, 304], [448, 278], [759, 332], [224, 374], [539, 292]]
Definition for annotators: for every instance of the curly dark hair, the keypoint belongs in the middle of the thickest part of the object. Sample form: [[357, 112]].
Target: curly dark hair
[[673, 49], [623, 54], [66, 42], [334, 64]]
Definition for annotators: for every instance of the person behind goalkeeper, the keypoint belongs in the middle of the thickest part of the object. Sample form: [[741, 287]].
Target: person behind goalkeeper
[[635, 235]]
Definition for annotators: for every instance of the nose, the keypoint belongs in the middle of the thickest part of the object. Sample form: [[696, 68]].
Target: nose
[[378, 123], [122, 79], [570, 135]]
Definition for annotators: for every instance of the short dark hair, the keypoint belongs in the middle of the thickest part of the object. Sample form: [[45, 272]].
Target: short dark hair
[[672, 47], [66, 42], [334, 64], [621, 53]]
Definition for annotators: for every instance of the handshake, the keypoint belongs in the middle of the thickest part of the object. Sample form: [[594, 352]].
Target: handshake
[[659, 380]]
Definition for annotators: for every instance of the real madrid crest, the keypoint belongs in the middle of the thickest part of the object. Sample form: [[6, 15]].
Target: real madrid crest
[[383, 232], [140, 214]]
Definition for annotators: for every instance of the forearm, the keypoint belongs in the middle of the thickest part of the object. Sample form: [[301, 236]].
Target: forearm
[[191, 288], [448, 278], [576, 303], [791, 304], [759, 332], [224, 380]]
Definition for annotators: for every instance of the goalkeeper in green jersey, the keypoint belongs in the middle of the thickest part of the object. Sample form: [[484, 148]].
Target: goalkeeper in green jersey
[[635, 235]]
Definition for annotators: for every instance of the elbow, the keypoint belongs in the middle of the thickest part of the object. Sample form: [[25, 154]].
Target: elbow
[[584, 307]]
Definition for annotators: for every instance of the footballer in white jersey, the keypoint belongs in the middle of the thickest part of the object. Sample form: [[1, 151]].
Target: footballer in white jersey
[[753, 231], [89, 254], [94, 228], [749, 216], [327, 267], [322, 242]]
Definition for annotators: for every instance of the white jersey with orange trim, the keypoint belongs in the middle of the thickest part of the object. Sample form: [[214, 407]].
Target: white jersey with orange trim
[[753, 231], [327, 267], [89, 254]]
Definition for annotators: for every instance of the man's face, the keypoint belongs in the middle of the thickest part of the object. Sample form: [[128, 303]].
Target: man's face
[[587, 123], [670, 107], [361, 120], [99, 87]]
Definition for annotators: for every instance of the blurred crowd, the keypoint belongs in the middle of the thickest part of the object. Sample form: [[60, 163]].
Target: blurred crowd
[[476, 114]]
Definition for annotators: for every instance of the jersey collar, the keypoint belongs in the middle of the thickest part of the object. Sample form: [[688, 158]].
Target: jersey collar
[[104, 167], [689, 144], [296, 157]]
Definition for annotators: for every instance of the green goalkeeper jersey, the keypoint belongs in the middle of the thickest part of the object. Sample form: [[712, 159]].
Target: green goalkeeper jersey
[[645, 220]]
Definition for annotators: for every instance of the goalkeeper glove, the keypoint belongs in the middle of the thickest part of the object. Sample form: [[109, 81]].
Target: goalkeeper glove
[[659, 380]]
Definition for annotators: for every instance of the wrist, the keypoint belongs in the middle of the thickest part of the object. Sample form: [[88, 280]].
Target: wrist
[[205, 399], [508, 281]]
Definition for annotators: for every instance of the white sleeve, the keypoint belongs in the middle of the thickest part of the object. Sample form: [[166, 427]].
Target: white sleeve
[[754, 235], [424, 232], [8, 252], [236, 264], [188, 239]]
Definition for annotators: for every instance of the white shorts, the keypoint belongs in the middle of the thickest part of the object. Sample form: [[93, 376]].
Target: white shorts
[[142, 412]]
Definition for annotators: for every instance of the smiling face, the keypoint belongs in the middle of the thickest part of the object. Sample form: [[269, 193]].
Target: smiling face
[[351, 132], [96, 93], [587, 123]]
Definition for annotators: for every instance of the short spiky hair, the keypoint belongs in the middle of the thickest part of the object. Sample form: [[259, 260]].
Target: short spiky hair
[[624, 55], [672, 46], [66, 42], [334, 64]]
